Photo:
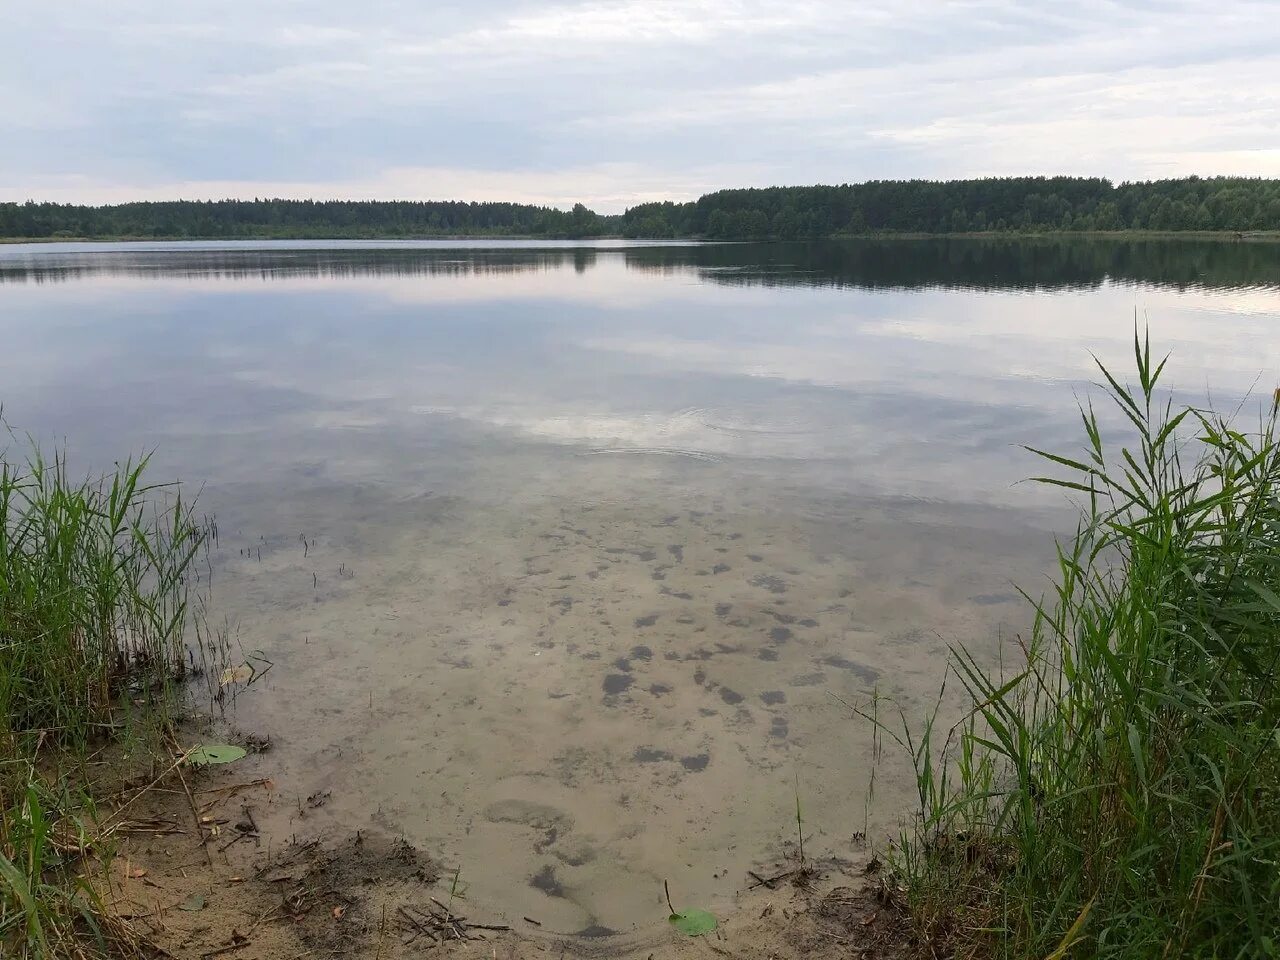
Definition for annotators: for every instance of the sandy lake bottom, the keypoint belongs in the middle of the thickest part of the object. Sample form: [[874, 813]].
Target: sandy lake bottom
[[572, 698]]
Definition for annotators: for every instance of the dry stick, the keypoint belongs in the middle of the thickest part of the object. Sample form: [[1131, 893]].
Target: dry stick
[[382, 934], [234, 840], [234, 788], [769, 881], [449, 919], [195, 816], [667, 891], [420, 924], [262, 916], [416, 925], [167, 830]]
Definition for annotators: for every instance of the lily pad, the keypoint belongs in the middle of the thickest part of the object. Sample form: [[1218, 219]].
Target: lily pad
[[693, 923], [215, 753]]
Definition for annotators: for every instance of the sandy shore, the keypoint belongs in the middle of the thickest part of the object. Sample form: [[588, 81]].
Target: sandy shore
[[230, 888]]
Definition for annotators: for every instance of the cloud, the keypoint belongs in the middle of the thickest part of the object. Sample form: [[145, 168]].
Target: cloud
[[610, 101]]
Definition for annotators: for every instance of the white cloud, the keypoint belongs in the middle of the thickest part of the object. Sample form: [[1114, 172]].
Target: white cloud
[[608, 101]]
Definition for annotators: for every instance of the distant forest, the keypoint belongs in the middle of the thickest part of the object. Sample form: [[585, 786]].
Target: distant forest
[[965, 206], [1010, 204], [294, 219]]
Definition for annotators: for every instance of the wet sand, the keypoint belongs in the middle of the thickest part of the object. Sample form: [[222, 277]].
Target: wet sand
[[369, 896]]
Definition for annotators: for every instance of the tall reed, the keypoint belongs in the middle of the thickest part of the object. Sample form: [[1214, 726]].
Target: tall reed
[[1119, 795], [96, 612], [93, 596]]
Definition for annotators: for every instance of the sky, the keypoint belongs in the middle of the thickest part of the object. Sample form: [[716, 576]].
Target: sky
[[616, 102]]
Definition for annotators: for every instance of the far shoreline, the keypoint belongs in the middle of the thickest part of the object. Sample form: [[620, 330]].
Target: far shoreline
[[1251, 236]]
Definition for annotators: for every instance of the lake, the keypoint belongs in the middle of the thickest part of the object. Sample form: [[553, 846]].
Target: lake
[[570, 558]]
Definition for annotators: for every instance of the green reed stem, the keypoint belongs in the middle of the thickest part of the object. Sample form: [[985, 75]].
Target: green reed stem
[[1120, 795]]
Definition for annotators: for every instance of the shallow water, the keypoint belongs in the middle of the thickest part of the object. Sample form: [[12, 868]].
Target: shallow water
[[570, 557]]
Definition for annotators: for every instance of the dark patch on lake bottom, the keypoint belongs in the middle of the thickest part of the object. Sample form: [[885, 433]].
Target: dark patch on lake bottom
[[595, 932], [545, 880], [650, 755], [863, 672], [616, 683], [809, 680]]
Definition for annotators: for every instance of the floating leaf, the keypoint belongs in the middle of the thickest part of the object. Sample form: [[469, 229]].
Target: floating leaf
[[693, 923], [241, 674], [192, 903], [215, 753]]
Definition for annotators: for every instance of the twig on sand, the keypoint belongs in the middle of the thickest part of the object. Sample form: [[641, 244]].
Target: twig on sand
[[767, 882], [226, 793], [440, 924], [195, 812]]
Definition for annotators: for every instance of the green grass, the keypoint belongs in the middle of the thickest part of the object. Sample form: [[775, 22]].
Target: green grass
[[1117, 794], [96, 608]]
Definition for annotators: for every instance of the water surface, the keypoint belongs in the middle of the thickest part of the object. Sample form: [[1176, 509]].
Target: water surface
[[570, 556]]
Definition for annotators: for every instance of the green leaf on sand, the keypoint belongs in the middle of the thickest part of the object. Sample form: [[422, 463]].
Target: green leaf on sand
[[215, 753], [693, 923], [192, 903]]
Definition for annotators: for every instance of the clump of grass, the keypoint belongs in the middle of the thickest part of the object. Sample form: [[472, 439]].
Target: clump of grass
[[93, 597], [96, 607], [1119, 795], [49, 907]]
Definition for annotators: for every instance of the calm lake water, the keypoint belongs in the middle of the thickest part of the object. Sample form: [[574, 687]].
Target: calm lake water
[[600, 539]]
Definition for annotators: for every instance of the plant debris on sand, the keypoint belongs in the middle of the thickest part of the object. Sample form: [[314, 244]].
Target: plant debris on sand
[[325, 891]]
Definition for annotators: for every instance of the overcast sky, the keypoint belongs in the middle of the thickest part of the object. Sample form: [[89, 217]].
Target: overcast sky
[[614, 102]]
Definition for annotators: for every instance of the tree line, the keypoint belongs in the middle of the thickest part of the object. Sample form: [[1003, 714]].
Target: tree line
[[1003, 204], [965, 206], [294, 219]]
